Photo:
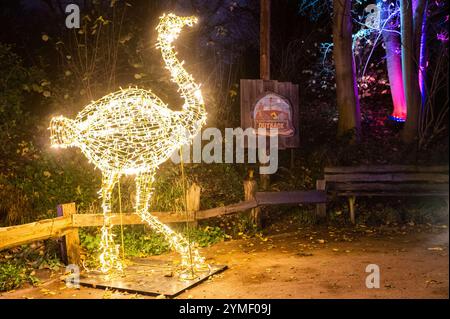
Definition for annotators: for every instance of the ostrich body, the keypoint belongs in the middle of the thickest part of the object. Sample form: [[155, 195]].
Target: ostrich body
[[132, 132]]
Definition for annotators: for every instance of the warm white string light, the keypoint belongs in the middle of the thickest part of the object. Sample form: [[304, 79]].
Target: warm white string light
[[132, 132]]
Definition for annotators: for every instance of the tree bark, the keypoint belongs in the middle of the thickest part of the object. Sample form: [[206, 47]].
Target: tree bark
[[392, 43], [423, 54], [412, 13], [346, 86], [265, 40]]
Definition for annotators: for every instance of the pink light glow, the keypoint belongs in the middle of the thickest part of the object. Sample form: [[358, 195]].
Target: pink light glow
[[394, 65]]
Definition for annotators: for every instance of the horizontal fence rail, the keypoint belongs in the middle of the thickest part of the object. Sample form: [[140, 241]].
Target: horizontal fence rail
[[63, 226], [44, 229]]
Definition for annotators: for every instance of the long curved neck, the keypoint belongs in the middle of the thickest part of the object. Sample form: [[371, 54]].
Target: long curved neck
[[193, 116]]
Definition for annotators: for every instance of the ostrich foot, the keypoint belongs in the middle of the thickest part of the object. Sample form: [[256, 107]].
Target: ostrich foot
[[191, 260], [109, 257]]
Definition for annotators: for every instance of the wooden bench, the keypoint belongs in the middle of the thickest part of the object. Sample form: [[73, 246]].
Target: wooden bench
[[394, 180]]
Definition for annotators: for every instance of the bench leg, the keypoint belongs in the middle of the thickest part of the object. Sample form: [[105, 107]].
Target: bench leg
[[321, 209], [351, 204]]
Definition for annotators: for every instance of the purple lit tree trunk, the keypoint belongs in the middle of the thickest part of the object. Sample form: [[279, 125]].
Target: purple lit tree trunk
[[392, 43], [346, 87], [411, 14], [423, 61]]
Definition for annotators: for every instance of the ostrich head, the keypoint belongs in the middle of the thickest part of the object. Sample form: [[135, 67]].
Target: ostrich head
[[170, 26], [62, 132]]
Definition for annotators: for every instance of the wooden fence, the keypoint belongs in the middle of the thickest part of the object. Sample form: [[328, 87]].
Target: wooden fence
[[68, 221]]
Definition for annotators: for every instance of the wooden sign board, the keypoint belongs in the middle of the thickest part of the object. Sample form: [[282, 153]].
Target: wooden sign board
[[272, 104]]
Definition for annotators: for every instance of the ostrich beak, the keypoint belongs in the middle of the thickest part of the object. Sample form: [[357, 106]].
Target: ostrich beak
[[62, 132], [190, 21]]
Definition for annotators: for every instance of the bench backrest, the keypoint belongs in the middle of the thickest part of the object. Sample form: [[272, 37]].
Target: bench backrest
[[388, 178]]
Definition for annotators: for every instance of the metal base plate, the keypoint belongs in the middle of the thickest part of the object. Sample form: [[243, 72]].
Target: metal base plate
[[148, 277]]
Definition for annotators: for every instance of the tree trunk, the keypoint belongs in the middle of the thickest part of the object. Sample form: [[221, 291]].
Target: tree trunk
[[265, 40], [346, 87], [411, 14], [423, 60], [392, 43]]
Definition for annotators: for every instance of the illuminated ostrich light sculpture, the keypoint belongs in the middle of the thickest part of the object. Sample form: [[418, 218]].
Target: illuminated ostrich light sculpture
[[132, 132]]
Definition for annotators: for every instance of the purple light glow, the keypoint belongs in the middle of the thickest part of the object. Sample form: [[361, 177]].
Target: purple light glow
[[442, 36], [423, 59], [394, 65], [392, 43]]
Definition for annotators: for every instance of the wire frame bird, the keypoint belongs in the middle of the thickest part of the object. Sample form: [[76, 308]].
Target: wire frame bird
[[132, 131]]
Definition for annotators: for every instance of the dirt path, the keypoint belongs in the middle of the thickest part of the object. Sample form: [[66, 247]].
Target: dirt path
[[309, 264]]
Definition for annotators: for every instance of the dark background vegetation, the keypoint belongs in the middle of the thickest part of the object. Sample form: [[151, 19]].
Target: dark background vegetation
[[47, 69]]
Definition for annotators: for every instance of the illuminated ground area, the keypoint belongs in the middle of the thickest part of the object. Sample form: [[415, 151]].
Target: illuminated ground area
[[311, 263]]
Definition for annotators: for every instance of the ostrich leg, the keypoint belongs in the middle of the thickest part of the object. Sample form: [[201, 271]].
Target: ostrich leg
[[109, 257], [190, 257]]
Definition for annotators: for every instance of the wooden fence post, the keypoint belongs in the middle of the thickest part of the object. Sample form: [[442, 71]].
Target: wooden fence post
[[250, 189], [71, 241], [193, 201], [351, 204]]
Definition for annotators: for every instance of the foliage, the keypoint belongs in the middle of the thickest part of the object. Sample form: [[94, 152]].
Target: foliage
[[33, 191], [140, 241], [14, 275], [433, 125], [29, 172], [368, 56], [315, 9], [221, 184], [207, 236], [47, 179], [228, 30], [90, 242], [15, 81], [19, 265], [14, 203], [372, 212]]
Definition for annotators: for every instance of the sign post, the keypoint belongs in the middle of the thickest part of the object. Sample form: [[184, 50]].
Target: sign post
[[264, 31], [264, 61], [267, 103]]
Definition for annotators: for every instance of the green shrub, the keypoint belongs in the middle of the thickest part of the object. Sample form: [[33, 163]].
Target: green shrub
[[140, 241], [14, 275], [207, 236]]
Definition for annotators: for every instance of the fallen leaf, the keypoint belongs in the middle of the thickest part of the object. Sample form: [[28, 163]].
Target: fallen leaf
[[303, 254]]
